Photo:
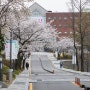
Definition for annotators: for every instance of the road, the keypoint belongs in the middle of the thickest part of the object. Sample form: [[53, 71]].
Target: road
[[45, 77]]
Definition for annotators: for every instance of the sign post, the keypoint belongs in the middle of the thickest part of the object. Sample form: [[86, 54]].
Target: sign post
[[11, 51], [14, 50]]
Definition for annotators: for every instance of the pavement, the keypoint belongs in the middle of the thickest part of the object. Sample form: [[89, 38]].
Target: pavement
[[20, 83], [56, 64], [22, 80]]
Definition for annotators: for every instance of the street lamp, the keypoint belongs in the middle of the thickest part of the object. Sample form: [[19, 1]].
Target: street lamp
[[11, 49], [10, 70]]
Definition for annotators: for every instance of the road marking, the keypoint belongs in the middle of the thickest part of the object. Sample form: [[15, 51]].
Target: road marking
[[31, 86], [30, 66], [30, 74]]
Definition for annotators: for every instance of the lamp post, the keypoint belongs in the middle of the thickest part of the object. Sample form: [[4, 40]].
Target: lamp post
[[11, 49], [10, 70]]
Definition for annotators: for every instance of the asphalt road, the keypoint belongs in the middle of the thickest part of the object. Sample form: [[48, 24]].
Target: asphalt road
[[42, 77]]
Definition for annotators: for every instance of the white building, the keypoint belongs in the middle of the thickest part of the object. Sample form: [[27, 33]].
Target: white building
[[38, 13]]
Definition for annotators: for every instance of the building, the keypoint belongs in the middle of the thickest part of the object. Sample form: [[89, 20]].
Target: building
[[61, 20], [38, 13]]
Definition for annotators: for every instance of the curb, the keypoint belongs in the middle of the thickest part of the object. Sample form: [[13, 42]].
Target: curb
[[51, 71]]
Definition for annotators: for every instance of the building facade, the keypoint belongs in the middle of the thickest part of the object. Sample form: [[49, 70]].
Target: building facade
[[62, 21], [38, 13]]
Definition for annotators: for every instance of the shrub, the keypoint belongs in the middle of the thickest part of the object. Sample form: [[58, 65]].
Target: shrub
[[5, 69]]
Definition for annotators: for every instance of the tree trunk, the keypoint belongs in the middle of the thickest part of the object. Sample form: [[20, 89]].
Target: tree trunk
[[18, 61], [82, 55], [77, 60]]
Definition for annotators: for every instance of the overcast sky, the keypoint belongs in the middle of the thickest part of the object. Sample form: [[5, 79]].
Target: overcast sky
[[54, 5]]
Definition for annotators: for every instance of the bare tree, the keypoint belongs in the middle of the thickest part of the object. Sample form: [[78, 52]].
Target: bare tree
[[80, 26], [74, 15]]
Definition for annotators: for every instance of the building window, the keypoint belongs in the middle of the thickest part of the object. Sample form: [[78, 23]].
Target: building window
[[65, 32], [60, 32], [36, 13], [70, 17], [76, 32], [60, 18], [71, 32], [65, 18], [60, 25], [65, 25], [54, 26], [54, 18], [49, 18]]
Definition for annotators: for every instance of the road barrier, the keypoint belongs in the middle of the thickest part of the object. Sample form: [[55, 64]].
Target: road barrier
[[51, 71]]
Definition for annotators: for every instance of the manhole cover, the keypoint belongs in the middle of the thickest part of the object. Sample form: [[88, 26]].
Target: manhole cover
[[36, 74], [20, 83], [39, 80]]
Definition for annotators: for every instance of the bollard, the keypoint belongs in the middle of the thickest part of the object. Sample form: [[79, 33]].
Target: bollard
[[77, 81]]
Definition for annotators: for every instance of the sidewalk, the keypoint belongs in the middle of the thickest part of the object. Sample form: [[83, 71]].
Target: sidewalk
[[22, 80], [56, 64], [20, 83]]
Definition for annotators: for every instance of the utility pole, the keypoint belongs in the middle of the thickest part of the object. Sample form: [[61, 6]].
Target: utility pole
[[10, 49], [10, 70]]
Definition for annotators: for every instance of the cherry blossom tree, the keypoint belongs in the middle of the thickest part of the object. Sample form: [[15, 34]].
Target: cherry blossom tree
[[8, 8], [29, 33], [50, 36]]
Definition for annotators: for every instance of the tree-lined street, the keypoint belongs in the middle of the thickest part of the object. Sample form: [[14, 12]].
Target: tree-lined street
[[54, 45]]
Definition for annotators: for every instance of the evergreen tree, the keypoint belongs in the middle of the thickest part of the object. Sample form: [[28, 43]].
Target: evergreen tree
[[1, 43]]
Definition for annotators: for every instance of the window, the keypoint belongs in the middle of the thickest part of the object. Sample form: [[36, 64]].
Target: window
[[49, 18], [65, 25], [76, 32], [54, 18], [60, 25], [70, 17], [60, 18], [60, 32], [36, 13], [70, 32], [65, 32], [54, 25], [65, 18]]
